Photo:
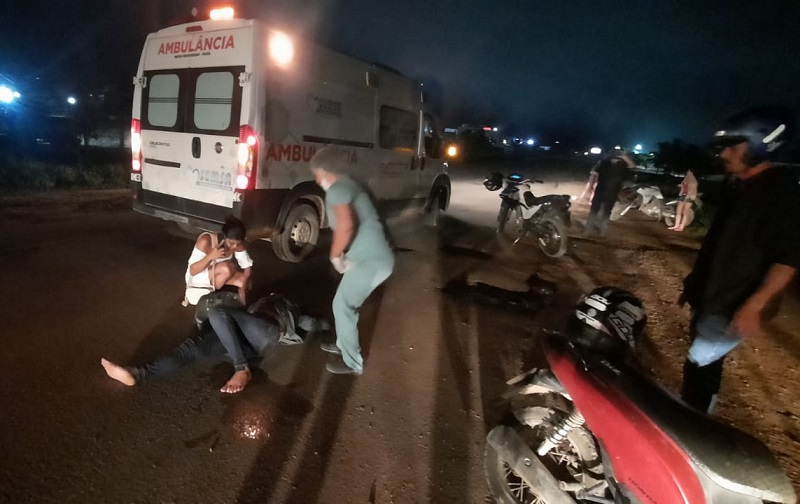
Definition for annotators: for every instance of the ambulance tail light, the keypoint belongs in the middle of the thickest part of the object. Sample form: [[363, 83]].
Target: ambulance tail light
[[136, 145], [248, 158]]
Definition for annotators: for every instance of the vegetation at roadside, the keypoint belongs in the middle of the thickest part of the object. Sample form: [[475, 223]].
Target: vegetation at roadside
[[91, 169]]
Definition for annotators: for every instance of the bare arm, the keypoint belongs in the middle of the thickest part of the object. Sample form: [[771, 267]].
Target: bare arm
[[747, 320], [204, 244], [345, 227]]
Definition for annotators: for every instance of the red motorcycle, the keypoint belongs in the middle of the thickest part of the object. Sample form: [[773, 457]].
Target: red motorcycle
[[595, 428]]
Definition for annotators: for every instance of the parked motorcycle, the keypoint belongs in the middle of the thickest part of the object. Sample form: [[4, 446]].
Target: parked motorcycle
[[646, 198], [594, 427], [546, 217]]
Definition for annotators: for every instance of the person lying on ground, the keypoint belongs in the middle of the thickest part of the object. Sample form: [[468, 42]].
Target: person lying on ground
[[243, 337]]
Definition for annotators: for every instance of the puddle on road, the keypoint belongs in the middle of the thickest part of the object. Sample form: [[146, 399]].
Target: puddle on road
[[262, 408]]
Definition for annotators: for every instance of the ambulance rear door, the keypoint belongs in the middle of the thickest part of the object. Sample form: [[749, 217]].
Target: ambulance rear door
[[191, 112]]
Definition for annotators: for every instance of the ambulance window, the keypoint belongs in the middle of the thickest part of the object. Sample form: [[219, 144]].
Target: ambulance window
[[213, 100], [398, 129], [162, 100], [433, 138]]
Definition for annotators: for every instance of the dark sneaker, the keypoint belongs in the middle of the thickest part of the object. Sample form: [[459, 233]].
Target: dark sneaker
[[339, 367], [330, 348]]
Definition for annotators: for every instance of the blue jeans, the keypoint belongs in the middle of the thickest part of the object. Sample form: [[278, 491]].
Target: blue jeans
[[712, 340], [238, 330], [203, 344], [229, 331]]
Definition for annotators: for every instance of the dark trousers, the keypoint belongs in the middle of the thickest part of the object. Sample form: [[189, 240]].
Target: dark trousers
[[600, 212], [204, 343]]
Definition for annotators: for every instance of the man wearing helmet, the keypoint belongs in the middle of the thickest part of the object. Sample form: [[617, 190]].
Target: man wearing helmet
[[750, 254]]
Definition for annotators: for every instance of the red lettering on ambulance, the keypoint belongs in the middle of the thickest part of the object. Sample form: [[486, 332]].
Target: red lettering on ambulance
[[201, 44], [308, 152]]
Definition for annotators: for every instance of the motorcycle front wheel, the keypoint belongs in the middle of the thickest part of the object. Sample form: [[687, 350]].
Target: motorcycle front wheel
[[575, 461], [551, 235], [515, 215]]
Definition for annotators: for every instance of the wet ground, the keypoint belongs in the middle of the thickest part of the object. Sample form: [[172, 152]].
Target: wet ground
[[84, 278]]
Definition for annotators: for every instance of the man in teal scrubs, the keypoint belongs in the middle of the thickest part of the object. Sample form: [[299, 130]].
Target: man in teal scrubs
[[359, 250]]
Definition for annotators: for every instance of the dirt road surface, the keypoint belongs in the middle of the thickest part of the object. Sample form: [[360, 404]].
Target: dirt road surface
[[84, 277]]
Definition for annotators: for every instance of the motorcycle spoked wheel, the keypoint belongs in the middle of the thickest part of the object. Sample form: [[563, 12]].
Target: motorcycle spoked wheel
[[551, 236], [575, 460]]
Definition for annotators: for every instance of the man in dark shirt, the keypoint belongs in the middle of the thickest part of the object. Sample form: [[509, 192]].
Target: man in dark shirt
[[750, 254], [611, 173]]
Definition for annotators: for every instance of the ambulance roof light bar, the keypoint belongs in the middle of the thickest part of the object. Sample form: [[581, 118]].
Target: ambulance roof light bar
[[222, 13]]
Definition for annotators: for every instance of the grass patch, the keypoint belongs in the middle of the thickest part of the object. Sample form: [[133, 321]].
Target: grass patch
[[25, 174]]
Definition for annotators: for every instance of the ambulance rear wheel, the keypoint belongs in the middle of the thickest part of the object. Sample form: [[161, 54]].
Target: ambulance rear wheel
[[300, 234]]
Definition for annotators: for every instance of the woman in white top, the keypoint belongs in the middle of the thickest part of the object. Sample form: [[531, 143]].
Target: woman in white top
[[205, 259]]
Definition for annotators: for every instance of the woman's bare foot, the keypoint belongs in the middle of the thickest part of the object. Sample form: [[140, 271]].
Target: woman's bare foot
[[237, 382], [119, 373]]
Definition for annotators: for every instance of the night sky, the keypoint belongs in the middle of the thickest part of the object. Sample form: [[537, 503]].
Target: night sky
[[594, 71]]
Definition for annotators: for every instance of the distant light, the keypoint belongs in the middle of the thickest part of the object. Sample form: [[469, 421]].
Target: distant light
[[617, 147], [221, 13], [505, 142], [530, 141], [281, 48], [16, 94], [595, 150], [638, 147], [7, 95], [487, 128], [452, 151], [585, 153], [558, 142], [494, 129], [71, 100]]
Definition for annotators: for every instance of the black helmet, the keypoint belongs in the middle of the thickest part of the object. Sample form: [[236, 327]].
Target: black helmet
[[765, 129], [607, 320], [493, 181]]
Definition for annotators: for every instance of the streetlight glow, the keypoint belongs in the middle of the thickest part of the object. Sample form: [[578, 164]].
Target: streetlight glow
[[7, 95]]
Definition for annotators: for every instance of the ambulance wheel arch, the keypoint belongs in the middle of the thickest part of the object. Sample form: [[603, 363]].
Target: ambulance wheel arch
[[299, 222], [438, 200]]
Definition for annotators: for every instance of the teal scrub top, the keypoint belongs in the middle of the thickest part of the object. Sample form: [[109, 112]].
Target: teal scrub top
[[369, 243]]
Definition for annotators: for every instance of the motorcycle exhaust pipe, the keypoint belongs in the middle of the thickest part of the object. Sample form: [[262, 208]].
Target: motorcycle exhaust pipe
[[511, 448]]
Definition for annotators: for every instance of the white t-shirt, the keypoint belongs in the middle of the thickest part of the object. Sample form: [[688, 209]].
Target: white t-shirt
[[201, 279]]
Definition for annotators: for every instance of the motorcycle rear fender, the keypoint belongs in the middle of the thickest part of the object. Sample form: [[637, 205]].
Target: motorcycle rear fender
[[563, 215]]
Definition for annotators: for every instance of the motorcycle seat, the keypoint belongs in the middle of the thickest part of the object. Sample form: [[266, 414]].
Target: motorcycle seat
[[532, 200], [731, 458]]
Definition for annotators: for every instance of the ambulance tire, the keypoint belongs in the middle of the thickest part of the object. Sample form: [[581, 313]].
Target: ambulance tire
[[300, 234]]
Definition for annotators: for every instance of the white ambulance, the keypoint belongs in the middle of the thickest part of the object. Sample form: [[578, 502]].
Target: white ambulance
[[227, 114]]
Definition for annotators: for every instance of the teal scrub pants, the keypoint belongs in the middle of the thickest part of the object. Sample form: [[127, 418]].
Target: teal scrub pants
[[356, 286]]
